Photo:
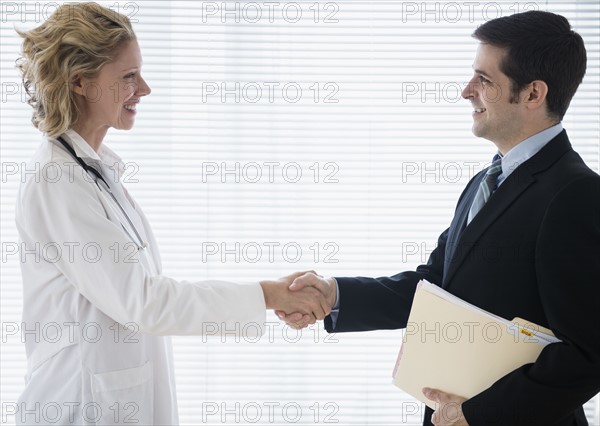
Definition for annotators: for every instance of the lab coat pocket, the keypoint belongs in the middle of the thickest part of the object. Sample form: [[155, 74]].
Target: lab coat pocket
[[124, 396]]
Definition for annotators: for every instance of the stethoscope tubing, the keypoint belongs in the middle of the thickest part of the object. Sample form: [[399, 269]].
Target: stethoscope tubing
[[97, 176]]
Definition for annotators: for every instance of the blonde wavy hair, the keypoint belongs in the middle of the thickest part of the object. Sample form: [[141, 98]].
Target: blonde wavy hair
[[77, 40]]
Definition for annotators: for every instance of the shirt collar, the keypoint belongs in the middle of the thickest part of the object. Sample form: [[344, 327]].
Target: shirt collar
[[105, 155], [527, 149]]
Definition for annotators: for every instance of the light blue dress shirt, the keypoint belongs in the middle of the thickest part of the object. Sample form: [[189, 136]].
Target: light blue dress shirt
[[525, 150]]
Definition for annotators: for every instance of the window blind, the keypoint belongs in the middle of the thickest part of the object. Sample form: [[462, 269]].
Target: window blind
[[285, 136]]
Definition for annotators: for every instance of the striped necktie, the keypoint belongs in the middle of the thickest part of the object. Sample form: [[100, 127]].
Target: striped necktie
[[485, 188]]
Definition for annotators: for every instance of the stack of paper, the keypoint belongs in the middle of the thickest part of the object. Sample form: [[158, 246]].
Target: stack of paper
[[459, 348]]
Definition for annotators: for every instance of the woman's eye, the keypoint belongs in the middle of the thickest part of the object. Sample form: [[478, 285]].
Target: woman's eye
[[132, 75]]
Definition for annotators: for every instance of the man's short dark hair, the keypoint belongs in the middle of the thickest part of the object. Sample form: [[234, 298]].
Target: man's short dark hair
[[540, 46]]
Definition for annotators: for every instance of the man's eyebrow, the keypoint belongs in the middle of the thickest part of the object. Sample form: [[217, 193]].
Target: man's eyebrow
[[482, 72]]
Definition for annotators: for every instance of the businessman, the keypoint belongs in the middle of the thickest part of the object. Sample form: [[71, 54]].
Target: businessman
[[525, 237]]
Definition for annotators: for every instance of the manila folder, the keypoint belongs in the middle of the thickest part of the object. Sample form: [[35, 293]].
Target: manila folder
[[459, 348]]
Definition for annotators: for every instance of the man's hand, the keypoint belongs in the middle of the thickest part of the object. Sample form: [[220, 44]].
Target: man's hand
[[327, 286], [449, 411], [308, 302]]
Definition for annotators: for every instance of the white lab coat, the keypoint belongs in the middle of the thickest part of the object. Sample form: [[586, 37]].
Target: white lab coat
[[83, 279]]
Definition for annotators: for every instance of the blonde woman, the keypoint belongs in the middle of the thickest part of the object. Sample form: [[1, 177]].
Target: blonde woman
[[95, 284]]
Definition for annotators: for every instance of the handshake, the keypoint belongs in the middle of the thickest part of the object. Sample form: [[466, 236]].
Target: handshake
[[301, 298]]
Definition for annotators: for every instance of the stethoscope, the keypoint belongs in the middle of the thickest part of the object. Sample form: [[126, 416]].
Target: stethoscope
[[95, 174]]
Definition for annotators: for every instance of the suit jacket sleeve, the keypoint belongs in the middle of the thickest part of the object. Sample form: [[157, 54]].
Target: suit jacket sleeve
[[566, 374]]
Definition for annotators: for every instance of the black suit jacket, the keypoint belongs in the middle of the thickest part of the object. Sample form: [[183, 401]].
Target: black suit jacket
[[533, 251]]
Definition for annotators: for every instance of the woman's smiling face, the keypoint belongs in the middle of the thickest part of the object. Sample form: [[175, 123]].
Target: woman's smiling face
[[110, 98]]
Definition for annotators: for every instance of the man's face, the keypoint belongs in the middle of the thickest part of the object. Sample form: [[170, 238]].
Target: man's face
[[495, 117]]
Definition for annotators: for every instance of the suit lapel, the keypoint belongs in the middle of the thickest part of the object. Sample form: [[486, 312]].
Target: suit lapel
[[502, 198], [459, 221], [518, 182]]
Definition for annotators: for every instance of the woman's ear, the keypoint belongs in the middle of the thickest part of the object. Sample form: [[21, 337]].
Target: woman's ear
[[77, 85]]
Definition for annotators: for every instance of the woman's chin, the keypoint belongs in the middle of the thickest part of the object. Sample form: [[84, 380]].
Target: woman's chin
[[124, 126]]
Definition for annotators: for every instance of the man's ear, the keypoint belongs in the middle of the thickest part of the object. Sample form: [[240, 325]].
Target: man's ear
[[535, 94]]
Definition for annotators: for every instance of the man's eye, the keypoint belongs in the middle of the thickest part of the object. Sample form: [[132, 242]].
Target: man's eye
[[483, 80]]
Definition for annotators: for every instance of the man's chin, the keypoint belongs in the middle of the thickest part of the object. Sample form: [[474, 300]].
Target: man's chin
[[480, 132], [477, 131]]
